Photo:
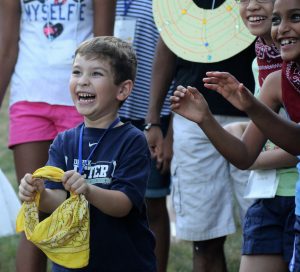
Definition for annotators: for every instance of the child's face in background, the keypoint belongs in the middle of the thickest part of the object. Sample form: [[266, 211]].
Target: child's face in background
[[93, 89], [257, 17], [286, 29]]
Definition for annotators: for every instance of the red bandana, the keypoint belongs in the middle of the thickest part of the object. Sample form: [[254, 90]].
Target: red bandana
[[291, 89], [268, 59]]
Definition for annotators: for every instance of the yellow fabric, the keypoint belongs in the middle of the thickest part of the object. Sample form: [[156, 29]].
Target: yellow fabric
[[64, 235]]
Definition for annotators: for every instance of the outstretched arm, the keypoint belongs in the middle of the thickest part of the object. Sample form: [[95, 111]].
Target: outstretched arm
[[283, 133], [189, 103], [10, 13]]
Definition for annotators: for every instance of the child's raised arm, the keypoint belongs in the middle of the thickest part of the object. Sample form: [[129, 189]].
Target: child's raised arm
[[230, 88], [189, 103]]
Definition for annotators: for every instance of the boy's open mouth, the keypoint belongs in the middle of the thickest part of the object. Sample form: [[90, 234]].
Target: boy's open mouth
[[87, 97]]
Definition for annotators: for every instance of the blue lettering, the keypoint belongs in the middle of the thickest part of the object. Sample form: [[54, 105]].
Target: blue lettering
[[60, 14], [35, 9], [52, 11], [81, 12], [70, 10], [27, 12], [45, 12]]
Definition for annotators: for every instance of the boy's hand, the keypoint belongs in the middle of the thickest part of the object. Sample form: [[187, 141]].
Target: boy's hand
[[230, 88], [189, 103], [76, 183], [29, 186]]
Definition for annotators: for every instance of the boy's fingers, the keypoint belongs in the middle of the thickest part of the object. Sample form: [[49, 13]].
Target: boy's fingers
[[67, 175]]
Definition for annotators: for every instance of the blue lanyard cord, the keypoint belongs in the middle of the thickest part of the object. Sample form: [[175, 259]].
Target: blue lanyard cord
[[80, 163], [127, 4]]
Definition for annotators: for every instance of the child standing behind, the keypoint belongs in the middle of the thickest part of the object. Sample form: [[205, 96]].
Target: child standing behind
[[104, 159], [277, 90]]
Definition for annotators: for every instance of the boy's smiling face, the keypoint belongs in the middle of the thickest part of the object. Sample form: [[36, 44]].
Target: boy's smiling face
[[286, 28], [92, 88], [257, 17]]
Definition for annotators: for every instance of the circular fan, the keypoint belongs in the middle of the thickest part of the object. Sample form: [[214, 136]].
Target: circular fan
[[201, 35]]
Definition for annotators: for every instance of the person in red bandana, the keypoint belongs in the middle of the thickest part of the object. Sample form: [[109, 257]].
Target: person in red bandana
[[280, 89]]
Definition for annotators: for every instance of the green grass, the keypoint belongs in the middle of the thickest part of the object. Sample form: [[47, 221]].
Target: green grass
[[180, 254]]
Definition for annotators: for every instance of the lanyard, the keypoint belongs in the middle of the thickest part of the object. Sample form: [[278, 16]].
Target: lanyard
[[127, 4], [80, 163]]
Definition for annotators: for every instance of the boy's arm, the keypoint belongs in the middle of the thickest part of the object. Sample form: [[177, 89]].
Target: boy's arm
[[111, 202], [10, 13], [274, 159], [270, 159], [51, 199], [162, 75], [104, 17]]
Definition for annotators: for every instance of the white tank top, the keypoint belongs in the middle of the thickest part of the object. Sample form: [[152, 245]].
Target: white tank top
[[50, 31]]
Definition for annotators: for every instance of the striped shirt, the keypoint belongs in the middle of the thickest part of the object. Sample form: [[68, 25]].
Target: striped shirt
[[145, 38]]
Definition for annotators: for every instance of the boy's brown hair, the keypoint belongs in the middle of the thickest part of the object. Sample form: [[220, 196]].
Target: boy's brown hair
[[117, 52]]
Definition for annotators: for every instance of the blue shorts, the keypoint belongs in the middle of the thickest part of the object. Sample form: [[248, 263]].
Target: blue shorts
[[158, 184], [269, 227], [295, 262]]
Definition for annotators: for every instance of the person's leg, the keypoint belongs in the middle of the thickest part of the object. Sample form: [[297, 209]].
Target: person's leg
[[263, 263], [268, 235], [31, 130], [159, 223], [208, 256], [28, 157]]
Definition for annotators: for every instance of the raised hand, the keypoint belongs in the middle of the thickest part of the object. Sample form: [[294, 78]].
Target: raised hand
[[230, 88], [189, 103]]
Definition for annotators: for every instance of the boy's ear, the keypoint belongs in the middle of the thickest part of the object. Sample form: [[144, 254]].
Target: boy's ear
[[125, 89]]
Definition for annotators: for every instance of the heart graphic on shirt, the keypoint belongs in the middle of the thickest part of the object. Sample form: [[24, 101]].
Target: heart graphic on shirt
[[52, 31], [59, 2]]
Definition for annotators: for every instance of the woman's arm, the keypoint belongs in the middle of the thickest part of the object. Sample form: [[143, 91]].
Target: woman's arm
[[104, 17], [10, 14]]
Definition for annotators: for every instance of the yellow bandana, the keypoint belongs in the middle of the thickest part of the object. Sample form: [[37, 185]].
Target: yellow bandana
[[64, 235]]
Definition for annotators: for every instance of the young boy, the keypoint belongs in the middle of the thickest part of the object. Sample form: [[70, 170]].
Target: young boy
[[103, 159]]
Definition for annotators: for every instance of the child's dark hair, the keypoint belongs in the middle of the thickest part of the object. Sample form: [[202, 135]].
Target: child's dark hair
[[117, 52]]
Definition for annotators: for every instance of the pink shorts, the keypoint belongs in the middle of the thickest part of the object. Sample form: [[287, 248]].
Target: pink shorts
[[36, 121]]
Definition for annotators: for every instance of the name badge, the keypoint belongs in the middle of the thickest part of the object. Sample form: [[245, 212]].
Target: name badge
[[262, 184], [125, 28]]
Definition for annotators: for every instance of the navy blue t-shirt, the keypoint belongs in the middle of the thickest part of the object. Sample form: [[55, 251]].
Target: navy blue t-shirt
[[120, 162]]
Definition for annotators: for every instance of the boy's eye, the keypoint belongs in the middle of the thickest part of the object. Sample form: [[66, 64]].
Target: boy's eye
[[97, 74], [295, 17], [275, 20], [75, 72]]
